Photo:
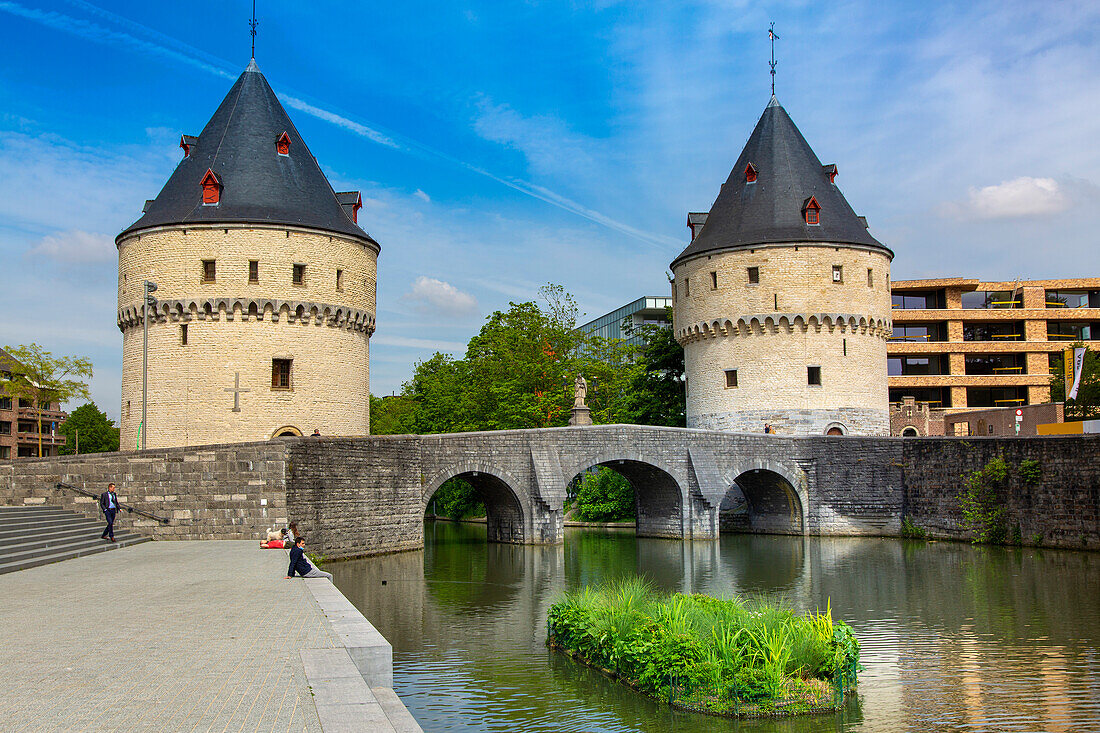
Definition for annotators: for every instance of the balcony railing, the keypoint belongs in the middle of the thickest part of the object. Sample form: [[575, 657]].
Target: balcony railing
[[47, 439]]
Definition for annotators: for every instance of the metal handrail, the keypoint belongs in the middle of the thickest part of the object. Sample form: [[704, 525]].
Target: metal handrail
[[162, 520]]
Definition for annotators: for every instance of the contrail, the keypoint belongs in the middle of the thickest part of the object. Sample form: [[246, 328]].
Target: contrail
[[172, 49]]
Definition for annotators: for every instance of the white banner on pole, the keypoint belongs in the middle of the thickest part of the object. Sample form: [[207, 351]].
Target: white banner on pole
[[1078, 367]]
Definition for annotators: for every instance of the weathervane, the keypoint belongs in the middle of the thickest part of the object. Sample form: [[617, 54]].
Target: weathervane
[[252, 25], [771, 36]]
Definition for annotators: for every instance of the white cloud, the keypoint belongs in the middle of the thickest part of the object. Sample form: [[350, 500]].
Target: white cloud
[[75, 247], [1023, 196], [440, 297], [423, 196]]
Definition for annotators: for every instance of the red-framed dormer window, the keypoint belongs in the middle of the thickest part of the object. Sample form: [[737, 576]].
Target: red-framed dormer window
[[750, 173], [830, 172], [283, 144], [355, 208], [811, 212], [211, 189], [187, 142]]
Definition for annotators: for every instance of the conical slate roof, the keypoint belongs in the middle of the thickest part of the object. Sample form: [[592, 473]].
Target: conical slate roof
[[771, 209], [238, 145]]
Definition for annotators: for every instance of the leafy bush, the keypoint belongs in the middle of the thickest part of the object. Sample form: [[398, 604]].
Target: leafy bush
[[604, 496], [912, 531], [752, 651], [982, 502], [1030, 472]]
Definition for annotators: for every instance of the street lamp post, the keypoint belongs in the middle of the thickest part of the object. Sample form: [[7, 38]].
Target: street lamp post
[[147, 300]]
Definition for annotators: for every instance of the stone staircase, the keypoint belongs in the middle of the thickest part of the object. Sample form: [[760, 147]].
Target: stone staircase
[[37, 535]]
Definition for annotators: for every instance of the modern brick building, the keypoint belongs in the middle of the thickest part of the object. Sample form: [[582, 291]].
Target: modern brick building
[[962, 343], [266, 288], [19, 437]]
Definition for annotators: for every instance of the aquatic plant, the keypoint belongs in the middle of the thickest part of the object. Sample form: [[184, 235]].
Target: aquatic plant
[[726, 656]]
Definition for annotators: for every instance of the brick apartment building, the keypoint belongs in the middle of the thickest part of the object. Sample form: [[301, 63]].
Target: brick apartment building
[[19, 423], [961, 344]]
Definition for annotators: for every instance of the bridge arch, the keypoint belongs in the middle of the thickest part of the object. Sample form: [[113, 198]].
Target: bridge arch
[[507, 519], [660, 498], [774, 493]]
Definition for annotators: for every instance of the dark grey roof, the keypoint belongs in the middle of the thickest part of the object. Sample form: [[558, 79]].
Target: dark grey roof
[[258, 184], [770, 210]]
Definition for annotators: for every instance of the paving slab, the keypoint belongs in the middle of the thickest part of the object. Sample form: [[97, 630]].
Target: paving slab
[[200, 635]]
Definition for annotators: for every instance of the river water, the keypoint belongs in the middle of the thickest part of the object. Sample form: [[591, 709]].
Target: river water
[[954, 637]]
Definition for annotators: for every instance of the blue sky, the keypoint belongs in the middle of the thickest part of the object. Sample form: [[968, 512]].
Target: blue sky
[[500, 146]]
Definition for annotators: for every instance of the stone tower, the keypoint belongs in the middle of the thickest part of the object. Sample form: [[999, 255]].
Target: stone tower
[[782, 299], [266, 288]]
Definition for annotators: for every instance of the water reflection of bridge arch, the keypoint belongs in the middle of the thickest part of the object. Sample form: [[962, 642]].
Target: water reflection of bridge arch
[[659, 494], [507, 517]]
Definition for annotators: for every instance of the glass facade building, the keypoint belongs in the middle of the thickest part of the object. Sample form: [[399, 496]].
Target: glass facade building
[[622, 323]]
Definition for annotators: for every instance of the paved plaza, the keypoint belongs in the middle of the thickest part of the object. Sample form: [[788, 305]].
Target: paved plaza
[[173, 636]]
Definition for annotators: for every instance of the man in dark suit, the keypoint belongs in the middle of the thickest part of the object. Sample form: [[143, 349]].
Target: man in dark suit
[[108, 503], [299, 564]]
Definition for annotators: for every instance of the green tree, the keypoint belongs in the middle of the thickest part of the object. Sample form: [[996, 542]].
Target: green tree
[[457, 499], [656, 392], [1087, 404], [31, 373], [604, 496], [394, 415], [89, 430]]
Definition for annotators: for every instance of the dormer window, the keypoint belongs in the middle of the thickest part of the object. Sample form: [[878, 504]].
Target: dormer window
[[351, 202], [811, 212], [211, 189], [283, 144], [750, 173], [830, 172], [187, 142]]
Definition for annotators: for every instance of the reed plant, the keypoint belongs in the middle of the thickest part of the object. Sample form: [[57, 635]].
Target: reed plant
[[751, 650]]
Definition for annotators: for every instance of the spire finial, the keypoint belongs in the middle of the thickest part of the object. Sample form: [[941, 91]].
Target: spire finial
[[252, 26], [771, 37]]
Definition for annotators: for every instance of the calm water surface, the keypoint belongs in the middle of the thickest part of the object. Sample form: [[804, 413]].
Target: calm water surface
[[954, 637]]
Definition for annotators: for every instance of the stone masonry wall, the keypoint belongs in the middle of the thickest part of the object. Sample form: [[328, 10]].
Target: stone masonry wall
[[1063, 507], [209, 492]]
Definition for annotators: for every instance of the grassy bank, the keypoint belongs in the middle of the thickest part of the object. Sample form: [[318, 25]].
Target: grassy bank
[[725, 657]]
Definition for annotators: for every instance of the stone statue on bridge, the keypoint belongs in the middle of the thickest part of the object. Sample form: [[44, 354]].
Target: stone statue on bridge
[[581, 415]]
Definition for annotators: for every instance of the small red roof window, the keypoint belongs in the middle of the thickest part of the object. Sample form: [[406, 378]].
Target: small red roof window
[[187, 142], [830, 172], [211, 188], [283, 144], [750, 173], [811, 211]]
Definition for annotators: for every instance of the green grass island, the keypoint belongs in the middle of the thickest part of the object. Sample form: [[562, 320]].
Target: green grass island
[[730, 657]]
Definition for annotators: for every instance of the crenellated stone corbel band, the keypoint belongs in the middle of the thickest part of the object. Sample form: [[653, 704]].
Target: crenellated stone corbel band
[[772, 323], [247, 309]]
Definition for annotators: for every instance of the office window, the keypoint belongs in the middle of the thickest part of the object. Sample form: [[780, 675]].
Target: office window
[[5, 427], [299, 275], [731, 378], [754, 274], [5, 403], [209, 271], [5, 452], [280, 373], [253, 271], [813, 376]]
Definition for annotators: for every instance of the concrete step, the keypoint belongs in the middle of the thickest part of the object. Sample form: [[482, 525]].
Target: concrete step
[[35, 544], [45, 525], [55, 534], [42, 510], [10, 566]]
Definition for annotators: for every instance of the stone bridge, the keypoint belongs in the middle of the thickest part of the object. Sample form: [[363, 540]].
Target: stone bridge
[[369, 495], [681, 477]]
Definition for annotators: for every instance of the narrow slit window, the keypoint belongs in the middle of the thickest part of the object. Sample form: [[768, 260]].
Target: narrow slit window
[[870, 278], [687, 287], [253, 271], [298, 276], [183, 335], [754, 274], [813, 376], [731, 378], [280, 373], [714, 281], [209, 271], [339, 279]]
